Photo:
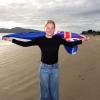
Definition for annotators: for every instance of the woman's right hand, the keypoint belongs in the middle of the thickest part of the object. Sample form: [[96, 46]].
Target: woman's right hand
[[7, 38]]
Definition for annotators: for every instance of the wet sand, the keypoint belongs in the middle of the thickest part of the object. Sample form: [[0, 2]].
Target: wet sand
[[79, 74]]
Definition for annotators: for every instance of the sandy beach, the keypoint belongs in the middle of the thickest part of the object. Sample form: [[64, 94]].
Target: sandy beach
[[79, 74]]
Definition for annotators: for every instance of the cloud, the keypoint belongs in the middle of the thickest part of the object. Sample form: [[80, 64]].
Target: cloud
[[71, 15], [11, 24], [7, 2]]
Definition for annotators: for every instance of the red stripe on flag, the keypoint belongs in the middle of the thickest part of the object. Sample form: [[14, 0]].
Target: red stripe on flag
[[67, 35]]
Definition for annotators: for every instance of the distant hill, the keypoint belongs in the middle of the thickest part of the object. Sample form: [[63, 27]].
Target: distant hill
[[91, 32], [16, 30]]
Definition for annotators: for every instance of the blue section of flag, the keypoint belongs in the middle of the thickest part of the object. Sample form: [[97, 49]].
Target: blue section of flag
[[74, 35], [71, 50], [26, 35]]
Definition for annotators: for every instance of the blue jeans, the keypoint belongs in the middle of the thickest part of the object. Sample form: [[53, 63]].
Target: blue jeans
[[49, 81]]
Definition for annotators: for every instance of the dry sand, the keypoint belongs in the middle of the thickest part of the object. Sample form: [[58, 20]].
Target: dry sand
[[79, 74]]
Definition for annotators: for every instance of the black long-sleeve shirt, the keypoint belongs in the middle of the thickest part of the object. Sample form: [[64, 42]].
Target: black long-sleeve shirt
[[49, 47]]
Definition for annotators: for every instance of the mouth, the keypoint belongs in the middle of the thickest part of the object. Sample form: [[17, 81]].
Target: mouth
[[49, 34]]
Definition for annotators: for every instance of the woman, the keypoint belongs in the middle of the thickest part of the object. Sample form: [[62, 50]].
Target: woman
[[49, 67]]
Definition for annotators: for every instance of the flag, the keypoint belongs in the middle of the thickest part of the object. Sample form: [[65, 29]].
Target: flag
[[68, 36]]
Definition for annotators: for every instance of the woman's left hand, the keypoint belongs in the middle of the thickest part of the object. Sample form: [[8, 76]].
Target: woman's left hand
[[86, 38]]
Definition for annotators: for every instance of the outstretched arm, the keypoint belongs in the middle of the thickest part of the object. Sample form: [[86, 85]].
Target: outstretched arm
[[74, 43], [70, 44], [22, 43]]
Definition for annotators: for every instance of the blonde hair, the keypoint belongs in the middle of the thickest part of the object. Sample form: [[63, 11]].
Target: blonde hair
[[50, 21]]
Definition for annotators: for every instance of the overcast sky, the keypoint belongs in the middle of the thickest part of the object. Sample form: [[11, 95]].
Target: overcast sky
[[70, 15]]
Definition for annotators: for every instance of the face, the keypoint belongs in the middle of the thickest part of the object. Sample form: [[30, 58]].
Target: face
[[49, 29]]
